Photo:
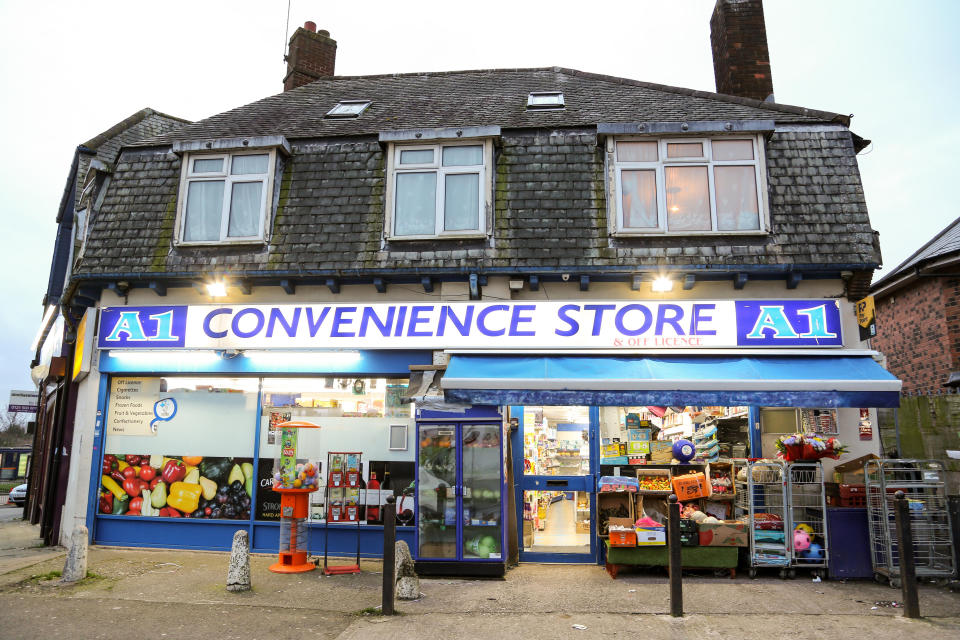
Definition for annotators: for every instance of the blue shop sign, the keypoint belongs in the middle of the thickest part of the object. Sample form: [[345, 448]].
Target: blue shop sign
[[582, 324]]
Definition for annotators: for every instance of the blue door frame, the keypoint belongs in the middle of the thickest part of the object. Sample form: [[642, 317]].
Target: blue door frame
[[587, 483]]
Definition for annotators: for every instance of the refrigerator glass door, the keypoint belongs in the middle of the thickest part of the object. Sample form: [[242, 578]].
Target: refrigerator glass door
[[481, 491], [437, 491]]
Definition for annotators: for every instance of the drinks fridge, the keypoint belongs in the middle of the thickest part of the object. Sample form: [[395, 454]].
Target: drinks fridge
[[460, 488]]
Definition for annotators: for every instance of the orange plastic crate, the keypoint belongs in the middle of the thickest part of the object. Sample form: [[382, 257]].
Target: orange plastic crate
[[623, 538], [691, 486]]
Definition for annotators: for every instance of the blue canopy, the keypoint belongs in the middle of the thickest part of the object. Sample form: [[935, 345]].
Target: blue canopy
[[774, 381]]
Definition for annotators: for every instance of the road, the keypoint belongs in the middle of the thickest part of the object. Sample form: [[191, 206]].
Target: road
[[10, 512]]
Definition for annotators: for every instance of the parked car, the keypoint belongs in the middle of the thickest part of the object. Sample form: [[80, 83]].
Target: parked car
[[19, 495]]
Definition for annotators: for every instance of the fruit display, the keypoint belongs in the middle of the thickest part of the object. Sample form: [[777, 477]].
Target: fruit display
[[176, 486], [654, 483]]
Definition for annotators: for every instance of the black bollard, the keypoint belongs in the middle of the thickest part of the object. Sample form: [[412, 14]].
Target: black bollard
[[908, 569], [389, 555], [676, 560]]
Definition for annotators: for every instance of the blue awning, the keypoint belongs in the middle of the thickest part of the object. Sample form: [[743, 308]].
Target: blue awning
[[774, 381]]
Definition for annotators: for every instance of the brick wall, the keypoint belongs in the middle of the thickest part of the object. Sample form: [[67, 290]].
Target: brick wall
[[912, 332], [310, 56], [950, 293]]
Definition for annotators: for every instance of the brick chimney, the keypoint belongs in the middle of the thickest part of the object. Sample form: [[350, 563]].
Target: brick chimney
[[312, 55], [741, 61]]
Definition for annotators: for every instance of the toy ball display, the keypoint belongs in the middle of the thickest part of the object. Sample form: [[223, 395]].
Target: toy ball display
[[684, 450], [801, 541], [814, 552], [805, 527]]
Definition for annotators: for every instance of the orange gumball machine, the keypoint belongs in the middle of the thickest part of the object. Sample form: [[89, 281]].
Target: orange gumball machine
[[294, 478]]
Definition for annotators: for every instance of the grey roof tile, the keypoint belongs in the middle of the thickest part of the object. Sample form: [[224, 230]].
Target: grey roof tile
[[479, 98]]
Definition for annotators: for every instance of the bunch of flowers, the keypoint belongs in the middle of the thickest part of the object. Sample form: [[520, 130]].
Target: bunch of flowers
[[808, 446]]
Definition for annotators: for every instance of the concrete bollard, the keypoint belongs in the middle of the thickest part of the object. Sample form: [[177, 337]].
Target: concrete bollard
[[408, 584], [238, 575], [75, 567]]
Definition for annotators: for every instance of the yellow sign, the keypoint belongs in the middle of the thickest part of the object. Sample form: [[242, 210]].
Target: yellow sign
[[866, 318], [83, 349]]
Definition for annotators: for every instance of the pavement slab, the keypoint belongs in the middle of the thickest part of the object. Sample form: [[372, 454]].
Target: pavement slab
[[175, 593]]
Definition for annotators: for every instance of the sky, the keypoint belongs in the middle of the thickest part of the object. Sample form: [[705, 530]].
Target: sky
[[70, 70]]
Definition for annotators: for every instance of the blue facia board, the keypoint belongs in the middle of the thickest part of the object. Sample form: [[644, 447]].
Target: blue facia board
[[813, 381], [543, 324]]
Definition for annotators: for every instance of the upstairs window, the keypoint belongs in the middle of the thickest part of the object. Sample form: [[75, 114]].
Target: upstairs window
[[439, 189], [223, 197], [688, 186]]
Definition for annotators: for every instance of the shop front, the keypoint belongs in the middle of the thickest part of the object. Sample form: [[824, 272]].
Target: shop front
[[190, 397], [186, 440]]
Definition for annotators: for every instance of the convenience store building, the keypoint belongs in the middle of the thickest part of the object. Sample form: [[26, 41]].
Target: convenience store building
[[565, 259]]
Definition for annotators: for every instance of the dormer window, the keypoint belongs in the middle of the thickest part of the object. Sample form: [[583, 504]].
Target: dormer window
[[439, 190], [223, 197], [688, 185], [545, 100], [348, 109]]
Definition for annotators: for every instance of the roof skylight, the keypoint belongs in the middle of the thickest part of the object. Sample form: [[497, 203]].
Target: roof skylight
[[545, 100], [348, 109]]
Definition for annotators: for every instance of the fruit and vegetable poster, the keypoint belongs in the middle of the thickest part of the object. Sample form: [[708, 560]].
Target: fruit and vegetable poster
[[132, 403], [176, 486]]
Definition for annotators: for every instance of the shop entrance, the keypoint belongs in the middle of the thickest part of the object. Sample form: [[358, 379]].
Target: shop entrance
[[556, 451]]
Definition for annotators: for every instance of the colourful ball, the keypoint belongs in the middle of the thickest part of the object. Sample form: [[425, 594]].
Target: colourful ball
[[805, 527], [684, 450], [815, 552], [801, 541]]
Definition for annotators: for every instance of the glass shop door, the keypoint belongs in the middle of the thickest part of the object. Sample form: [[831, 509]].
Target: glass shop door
[[556, 500]]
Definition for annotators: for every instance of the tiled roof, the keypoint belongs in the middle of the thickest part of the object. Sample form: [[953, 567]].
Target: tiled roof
[[126, 124], [944, 243], [479, 98]]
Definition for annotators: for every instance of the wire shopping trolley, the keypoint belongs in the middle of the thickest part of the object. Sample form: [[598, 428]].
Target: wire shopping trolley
[[807, 510], [923, 482], [761, 498]]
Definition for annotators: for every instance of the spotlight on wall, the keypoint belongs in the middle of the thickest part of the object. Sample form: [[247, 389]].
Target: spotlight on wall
[[662, 284], [516, 285], [216, 289]]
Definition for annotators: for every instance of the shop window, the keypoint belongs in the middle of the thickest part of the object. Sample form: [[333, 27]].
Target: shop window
[[179, 447], [354, 415], [688, 186]]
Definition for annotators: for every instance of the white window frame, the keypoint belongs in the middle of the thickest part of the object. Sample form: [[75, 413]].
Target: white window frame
[[189, 176], [485, 192], [616, 167]]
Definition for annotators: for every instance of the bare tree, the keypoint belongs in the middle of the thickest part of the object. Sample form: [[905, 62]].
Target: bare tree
[[13, 430]]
